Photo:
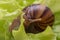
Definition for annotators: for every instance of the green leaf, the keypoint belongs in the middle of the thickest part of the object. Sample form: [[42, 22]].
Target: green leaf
[[29, 2], [46, 35], [10, 6], [53, 4], [20, 2]]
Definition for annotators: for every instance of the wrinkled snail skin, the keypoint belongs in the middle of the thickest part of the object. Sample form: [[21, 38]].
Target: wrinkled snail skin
[[15, 24], [37, 11]]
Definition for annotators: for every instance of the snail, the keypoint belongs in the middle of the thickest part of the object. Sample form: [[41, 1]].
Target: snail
[[37, 18]]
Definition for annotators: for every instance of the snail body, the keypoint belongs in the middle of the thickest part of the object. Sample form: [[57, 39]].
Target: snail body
[[15, 24]]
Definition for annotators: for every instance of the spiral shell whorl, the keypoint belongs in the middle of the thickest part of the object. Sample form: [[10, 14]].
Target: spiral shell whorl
[[37, 18]]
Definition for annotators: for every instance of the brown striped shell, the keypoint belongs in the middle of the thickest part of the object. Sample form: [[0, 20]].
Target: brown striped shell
[[37, 18]]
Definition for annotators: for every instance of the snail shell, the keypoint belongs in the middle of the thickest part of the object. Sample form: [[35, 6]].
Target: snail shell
[[37, 18]]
